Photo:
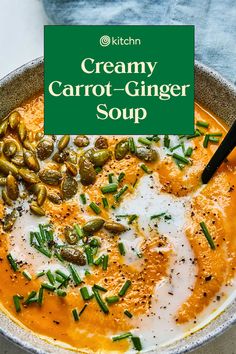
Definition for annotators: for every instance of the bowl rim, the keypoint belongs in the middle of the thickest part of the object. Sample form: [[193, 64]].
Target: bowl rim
[[230, 321]]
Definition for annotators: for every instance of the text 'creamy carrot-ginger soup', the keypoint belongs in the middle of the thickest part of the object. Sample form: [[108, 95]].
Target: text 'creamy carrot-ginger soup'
[[112, 243]]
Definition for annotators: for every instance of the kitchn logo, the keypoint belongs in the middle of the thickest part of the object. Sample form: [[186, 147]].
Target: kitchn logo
[[106, 40]]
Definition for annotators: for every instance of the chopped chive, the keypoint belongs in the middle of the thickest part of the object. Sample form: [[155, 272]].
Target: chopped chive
[[216, 134], [189, 151], [203, 124], [98, 261], [48, 286], [105, 262], [89, 254], [121, 177], [98, 169], [12, 262], [75, 314], [112, 299], [58, 256], [50, 277], [59, 279], [109, 188], [157, 216], [166, 141], [144, 141], [27, 275], [131, 218], [82, 310], [40, 274], [214, 139], [105, 203], [31, 238], [180, 158], [84, 293], [83, 198], [99, 287], [195, 135], [42, 233], [61, 293], [75, 275], [121, 248], [87, 272], [95, 208], [49, 235], [100, 302], [124, 288], [175, 147], [44, 251], [94, 242], [121, 191], [132, 147], [205, 141], [78, 230], [40, 296], [30, 296], [16, 301], [128, 314], [38, 238], [62, 274], [110, 177], [145, 168], [64, 283], [137, 343], [207, 235], [122, 336]]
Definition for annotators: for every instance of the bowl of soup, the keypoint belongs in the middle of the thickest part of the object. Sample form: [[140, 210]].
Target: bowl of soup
[[112, 244]]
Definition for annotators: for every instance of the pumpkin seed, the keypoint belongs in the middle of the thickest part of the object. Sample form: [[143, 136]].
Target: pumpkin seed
[[114, 227], [146, 154], [63, 142], [9, 148], [1, 147], [28, 176], [101, 143], [12, 187], [39, 136], [121, 149], [87, 172], [31, 161], [72, 156], [18, 160], [14, 119], [6, 198], [34, 188], [71, 168], [37, 210], [100, 157], [69, 187], [71, 235], [60, 157], [3, 181], [6, 167], [93, 225], [73, 255], [54, 198], [22, 131], [51, 177], [44, 149], [28, 145], [3, 127], [41, 195], [81, 141], [10, 220]]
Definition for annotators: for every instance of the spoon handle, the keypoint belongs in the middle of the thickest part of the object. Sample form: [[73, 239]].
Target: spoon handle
[[227, 145]]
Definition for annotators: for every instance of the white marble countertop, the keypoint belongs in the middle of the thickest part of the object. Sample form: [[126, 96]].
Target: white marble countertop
[[21, 40]]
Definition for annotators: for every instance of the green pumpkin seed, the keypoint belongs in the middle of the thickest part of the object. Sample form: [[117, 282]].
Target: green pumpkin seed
[[72, 156], [73, 255], [28, 176], [101, 143], [87, 172], [44, 149], [3, 127], [7, 167], [146, 154], [22, 131], [18, 160], [63, 142], [39, 136], [14, 119], [12, 187], [60, 157], [114, 227], [54, 198], [1, 147], [10, 220], [100, 157], [34, 188], [69, 187], [121, 149], [28, 145], [93, 225], [3, 181], [71, 168], [9, 148], [42, 195], [51, 177], [81, 141], [31, 161], [37, 210], [6, 198], [71, 235]]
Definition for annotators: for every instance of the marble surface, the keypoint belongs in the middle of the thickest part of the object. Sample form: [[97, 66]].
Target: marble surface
[[21, 39]]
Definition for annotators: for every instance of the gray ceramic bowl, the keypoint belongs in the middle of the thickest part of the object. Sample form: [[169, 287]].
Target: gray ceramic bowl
[[215, 94]]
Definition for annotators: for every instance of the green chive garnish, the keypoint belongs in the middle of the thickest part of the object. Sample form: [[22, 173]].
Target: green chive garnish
[[98, 261], [16, 301], [75, 275], [195, 135], [61, 293], [124, 288], [48, 287], [175, 147], [95, 208], [144, 141], [189, 151], [180, 158], [82, 310], [137, 343], [122, 336], [121, 177], [89, 254], [128, 314], [132, 147], [105, 262], [83, 198], [44, 251], [131, 218], [216, 134], [78, 230], [99, 287], [87, 272], [30, 297], [62, 274], [31, 238], [207, 235], [40, 296], [166, 141], [75, 314], [12, 262], [214, 139], [110, 177], [84, 293], [40, 274], [50, 277], [203, 124], [121, 248], [112, 299], [121, 191], [100, 302], [98, 169], [145, 168], [27, 275], [157, 216], [105, 203], [109, 188], [205, 141], [42, 233]]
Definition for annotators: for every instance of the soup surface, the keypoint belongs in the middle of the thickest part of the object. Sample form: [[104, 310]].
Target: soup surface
[[112, 244]]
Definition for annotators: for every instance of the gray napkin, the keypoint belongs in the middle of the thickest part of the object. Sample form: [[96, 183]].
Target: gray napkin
[[214, 20]]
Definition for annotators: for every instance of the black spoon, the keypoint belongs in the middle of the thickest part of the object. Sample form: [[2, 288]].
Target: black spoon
[[227, 145]]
